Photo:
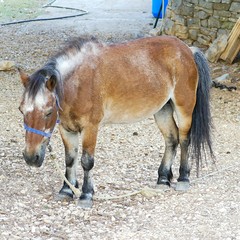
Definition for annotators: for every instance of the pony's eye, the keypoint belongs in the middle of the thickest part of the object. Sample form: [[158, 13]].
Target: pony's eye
[[48, 114]]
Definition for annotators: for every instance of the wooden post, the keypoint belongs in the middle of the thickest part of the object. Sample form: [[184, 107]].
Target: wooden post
[[233, 46]]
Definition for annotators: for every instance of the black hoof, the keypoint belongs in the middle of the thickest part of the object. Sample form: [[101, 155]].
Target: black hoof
[[66, 193], [63, 197], [163, 181], [66, 190], [85, 201], [182, 186], [163, 187]]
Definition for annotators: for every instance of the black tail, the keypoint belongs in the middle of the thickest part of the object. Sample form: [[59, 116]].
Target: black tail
[[200, 133]]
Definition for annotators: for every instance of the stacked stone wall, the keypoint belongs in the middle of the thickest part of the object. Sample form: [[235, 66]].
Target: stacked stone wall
[[201, 21]]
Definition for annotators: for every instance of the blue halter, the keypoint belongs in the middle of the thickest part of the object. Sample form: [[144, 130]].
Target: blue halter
[[39, 132]]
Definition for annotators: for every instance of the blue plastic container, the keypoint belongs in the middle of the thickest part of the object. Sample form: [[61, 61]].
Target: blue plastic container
[[156, 5]]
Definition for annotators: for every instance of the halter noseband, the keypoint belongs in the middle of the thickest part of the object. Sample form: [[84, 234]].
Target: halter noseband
[[36, 131], [42, 133]]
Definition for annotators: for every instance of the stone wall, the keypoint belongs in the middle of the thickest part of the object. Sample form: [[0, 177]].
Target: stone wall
[[201, 21]]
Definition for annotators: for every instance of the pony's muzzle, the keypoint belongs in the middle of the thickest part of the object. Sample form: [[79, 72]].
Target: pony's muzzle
[[34, 160]]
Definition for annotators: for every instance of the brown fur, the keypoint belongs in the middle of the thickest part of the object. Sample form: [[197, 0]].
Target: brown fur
[[123, 87], [123, 83]]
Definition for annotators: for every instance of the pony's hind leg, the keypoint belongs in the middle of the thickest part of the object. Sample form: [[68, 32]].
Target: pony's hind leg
[[166, 124], [70, 141], [184, 116]]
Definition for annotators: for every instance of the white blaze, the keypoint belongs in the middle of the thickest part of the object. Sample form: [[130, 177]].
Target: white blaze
[[39, 102]]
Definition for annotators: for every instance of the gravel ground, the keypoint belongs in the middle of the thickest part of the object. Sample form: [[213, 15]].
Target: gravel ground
[[127, 159]]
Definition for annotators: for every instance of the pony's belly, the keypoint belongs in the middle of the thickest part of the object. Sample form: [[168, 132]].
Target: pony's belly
[[127, 115]]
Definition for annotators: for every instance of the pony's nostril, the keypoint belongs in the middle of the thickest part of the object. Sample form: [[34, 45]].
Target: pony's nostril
[[37, 158]]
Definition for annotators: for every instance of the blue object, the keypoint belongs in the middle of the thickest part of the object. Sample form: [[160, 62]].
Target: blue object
[[156, 4]]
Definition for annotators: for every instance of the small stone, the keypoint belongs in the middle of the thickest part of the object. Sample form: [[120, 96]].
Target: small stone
[[6, 65], [193, 33], [33, 229], [53, 155], [155, 32], [223, 78], [217, 70], [3, 154]]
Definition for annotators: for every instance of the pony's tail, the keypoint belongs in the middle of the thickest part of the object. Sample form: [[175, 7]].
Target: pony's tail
[[200, 133]]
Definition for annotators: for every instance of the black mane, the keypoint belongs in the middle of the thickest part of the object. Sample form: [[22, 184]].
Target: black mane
[[76, 44], [38, 78]]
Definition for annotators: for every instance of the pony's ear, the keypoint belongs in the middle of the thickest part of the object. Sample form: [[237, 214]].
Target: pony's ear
[[24, 77], [51, 83]]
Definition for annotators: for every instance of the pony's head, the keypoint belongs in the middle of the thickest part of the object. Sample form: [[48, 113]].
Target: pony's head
[[39, 107]]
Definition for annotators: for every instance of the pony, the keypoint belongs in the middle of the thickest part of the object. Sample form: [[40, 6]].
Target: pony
[[89, 83]]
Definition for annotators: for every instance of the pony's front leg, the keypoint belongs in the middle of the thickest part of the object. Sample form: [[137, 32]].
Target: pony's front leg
[[89, 138], [70, 141]]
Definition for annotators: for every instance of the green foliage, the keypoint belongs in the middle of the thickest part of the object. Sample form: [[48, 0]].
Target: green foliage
[[11, 10]]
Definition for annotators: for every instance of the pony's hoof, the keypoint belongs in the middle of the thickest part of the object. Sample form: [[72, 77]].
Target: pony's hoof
[[163, 187], [182, 186], [63, 197], [85, 203], [85, 200]]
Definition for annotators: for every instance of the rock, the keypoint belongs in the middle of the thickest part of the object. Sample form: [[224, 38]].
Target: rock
[[204, 23], [214, 23], [221, 6], [204, 40], [217, 70], [193, 23], [169, 27], [193, 33], [205, 4], [155, 32], [237, 69], [181, 31], [216, 48], [235, 5], [187, 10], [211, 34], [176, 5], [223, 78], [202, 15], [6, 65], [179, 20]]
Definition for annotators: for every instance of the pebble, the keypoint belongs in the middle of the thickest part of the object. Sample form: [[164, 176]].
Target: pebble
[[154, 32], [217, 70], [223, 78], [2, 154]]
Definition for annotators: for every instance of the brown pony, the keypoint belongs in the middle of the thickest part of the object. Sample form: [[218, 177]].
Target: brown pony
[[89, 84]]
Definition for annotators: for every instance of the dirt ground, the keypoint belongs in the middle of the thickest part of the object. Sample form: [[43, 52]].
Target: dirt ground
[[125, 162]]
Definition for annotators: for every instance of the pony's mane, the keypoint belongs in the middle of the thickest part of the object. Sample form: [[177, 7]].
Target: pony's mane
[[75, 45], [38, 79]]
